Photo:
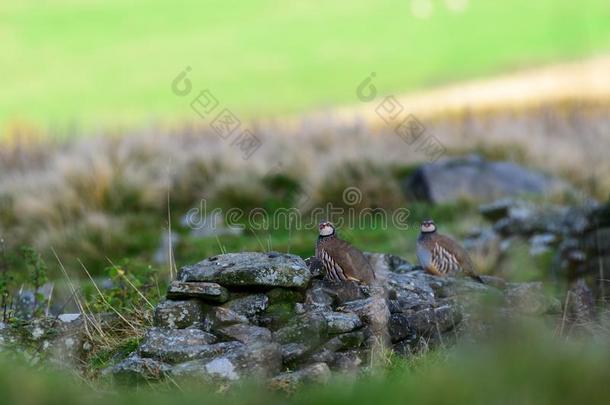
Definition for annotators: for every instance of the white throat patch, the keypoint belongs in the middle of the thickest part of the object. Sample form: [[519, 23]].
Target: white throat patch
[[327, 230]]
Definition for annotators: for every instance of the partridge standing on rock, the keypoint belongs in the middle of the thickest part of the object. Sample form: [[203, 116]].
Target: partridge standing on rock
[[341, 260], [440, 255]]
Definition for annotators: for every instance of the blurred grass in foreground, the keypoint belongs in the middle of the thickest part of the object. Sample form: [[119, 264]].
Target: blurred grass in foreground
[[527, 366]]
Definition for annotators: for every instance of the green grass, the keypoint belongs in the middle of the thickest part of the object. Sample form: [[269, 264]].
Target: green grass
[[368, 236], [110, 63]]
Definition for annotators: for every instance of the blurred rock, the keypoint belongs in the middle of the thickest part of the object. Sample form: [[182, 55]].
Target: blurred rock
[[167, 242], [541, 243], [531, 299], [476, 179], [288, 382], [384, 263], [135, 369], [293, 351], [580, 305], [338, 322], [236, 362]]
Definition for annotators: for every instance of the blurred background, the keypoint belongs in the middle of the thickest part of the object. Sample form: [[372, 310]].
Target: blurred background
[[125, 124]]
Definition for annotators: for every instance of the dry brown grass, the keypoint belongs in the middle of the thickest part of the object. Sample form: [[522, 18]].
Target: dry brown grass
[[84, 193]]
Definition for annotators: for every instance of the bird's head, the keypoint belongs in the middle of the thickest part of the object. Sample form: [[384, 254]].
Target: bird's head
[[427, 226], [326, 228]]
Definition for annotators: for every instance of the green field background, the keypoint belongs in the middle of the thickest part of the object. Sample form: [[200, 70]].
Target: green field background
[[110, 63]]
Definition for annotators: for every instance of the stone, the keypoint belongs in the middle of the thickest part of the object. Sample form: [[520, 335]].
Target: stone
[[167, 244], [68, 318], [580, 305], [400, 327], [250, 270], [249, 306], [318, 297], [278, 315], [178, 314], [527, 219], [135, 369], [238, 362], [493, 281], [293, 351], [541, 243], [310, 328], [178, 345], [434, 321], [383, 263], [349, 361], [210, 292], [245, 333], [316, 267], [580, 309], [217, 317], [531, 299], [317, 373], [476, 179], [343, 291], [63, 341], [345, 341], [413, 288], [339, 322], [375, 313], [496, 210]]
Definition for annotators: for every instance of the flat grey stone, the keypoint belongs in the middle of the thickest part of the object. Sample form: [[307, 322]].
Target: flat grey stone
[[178, 345], [245, 333], [178, 314], [250, 269], [341, 322], [240, 361], [249, 306], [217, 317], [211, 292]]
